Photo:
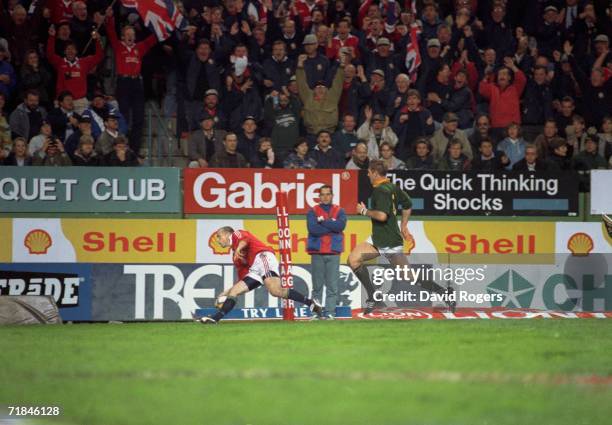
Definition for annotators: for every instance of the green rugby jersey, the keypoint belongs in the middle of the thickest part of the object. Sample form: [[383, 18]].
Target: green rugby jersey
[[387, 197]]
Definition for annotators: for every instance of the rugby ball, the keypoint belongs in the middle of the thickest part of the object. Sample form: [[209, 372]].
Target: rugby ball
[[219, 301]]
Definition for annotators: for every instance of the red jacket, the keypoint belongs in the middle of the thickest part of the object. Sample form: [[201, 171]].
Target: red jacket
[[504, 105], [72, 76], [61, 10], [128, 60], [333, 51], [254, 247]]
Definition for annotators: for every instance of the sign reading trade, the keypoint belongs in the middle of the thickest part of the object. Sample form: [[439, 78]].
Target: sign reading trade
[[85, 189], [252, 191], [502, 194]]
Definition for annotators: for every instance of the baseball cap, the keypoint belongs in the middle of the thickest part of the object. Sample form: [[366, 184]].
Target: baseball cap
[[112, 115], [310, 39], [450, 117], [249, 117], [602, 38], [379, 72], [383, 41], [550, 9], [433, 42], [84, 119], [211, 92], [378, 117]]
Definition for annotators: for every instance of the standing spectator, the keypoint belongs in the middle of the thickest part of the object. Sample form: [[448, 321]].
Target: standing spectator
[[241, 98], [320, 104], [21, 31], [513, 146], [282, 118], [98, 112], [504, 95], [439, 91], [454, 160], [537, 104], [531, 162], [460, 100], [387, 156], [382, 59], [228, 157], [19, 156], [564, 117], [447, 133], [487, 161], [316, 67], [35, 77], [84, 129], [422, 158], [63, 119], [559, 158], [203, 143], [355, 91], [248, 138], [121, 155], [85, 155], [326, 223], [325, 155], [299, 157], [278, 69], [26, 119], [106, 141], [343, 40], [128, 62], [481, 131], [72, 70], [52, 154], [359, 160], [8, 78], [346, 138], [374, 131], [80, 27], [264, 156], [576, 135], [410, 122]]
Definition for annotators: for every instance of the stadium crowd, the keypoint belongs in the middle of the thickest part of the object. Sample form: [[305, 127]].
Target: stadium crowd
[[459, 85]]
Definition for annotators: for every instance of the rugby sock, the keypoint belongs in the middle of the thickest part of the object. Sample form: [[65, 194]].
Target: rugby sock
[[364, 277], [294, 295], [227, 306]]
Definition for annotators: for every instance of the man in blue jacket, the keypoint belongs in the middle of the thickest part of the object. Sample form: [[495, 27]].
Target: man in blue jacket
[[326, 222]]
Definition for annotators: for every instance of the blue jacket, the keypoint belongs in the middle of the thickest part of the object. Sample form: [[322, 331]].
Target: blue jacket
[[326, 237]]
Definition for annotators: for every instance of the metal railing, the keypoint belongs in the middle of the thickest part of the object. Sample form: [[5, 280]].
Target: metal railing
[[167, 142]]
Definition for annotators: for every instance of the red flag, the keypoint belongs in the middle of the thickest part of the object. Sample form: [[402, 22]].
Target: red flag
[[160, 16]]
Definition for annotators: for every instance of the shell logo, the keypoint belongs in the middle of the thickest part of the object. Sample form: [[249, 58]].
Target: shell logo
[[580, 244], [37, 241], [216, 248]]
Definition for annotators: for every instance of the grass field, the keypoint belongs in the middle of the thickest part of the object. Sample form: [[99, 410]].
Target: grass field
[[354, 372]]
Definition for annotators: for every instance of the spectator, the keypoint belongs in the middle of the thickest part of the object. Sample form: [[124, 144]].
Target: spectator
[[344, 41], [37, 143], [455, 160], [587, 160], [504, 95], [121, 155], [85, 156], [383, 60], [460, 100], [212, 108], [98, 112], [559, 158], [72, 70], [374, 131], [26, 119], [543, 141], [537, 103], [264, 156], [317, 67], [487, 161], [52, 154], [448, 132], [481, 131], [422, 158], [576, 136], [438, 91], [228, 157], [248, 138], [346, 138], [203, 143], [106, 141], [605, 138], [410, 122], [513, 146], [299, 157], [5, 129], [565, 114], [19, 156], [355, 91], [326, 223], [80, 27], [359, 160], [241, 98], [379, 94], [320, 104], [33, 76], [399, 95], [325, 155], [278, 69], [387, 156], [73, 141], [21, 30], [531, 162], [8, 79], [63, 119], [282, 118], [128, 62]]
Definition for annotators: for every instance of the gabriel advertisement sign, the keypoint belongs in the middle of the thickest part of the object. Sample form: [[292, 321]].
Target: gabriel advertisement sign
[[246, 191]]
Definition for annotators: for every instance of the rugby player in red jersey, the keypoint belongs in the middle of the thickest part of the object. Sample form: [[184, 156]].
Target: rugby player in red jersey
[[256, 265]]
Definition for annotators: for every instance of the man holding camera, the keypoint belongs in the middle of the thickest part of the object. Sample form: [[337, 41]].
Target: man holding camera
[[52, 154]]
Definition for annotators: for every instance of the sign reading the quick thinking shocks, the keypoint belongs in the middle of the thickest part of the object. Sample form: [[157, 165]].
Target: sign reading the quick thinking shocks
[[500, 194]]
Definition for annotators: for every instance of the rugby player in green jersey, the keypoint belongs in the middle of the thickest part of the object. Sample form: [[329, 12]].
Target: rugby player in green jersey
[[387, 237]]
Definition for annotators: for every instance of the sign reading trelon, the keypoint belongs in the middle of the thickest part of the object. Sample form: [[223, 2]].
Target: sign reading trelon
[[86, 189], [501, 194]]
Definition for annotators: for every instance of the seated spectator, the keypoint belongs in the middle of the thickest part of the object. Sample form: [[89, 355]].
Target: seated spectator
[[449, 131], [52, 154], [85, 156], [387, 156], [565, 114], [325, 155], [488, 161], [19, 156], [282, 118], [460, 100], [26, 119], [37, 142], [360, 159], [544, 140], [455, 159], [106, 141], [481, 131], [99, 110], [422, 158], [410, 122], [264, 156], [605, 138], [513, 146], [121, 155], [63, 119], [588, 159], [374, 131], [320, 110], [84, 129], [8, 78], [5, 129], [248, 138], [576, 136], [203, 143], [345, 139], [559, 159], [530, 162], [228, 156], [34, 76], [299, 157]]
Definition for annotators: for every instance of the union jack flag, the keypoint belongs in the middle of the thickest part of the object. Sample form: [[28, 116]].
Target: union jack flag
[[160, 16], [413, 54]]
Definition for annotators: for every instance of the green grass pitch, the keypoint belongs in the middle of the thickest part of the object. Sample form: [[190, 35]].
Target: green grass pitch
[[343, 372]]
